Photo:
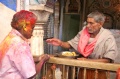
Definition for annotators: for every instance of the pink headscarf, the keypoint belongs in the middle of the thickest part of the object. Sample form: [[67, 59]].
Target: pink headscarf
[[83, 47]]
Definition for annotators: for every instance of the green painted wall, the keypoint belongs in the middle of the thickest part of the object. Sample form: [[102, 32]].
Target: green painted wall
[[70, 26]]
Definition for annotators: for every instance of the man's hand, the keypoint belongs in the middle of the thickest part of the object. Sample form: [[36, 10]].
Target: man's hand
[[54, 41], [44, 57]]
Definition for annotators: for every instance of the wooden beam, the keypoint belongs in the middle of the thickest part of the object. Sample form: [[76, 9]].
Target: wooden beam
[[86, 64]]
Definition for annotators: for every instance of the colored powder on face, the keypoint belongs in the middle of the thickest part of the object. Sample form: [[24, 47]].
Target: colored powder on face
[[21, 23], [30, 18], [23, 15], [24, 24]]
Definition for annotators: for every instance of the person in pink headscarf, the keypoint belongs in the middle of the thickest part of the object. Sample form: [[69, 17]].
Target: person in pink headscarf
[[93, 42], [16, 61]]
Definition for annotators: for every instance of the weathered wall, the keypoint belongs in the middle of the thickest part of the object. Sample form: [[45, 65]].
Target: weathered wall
[[5, 20]]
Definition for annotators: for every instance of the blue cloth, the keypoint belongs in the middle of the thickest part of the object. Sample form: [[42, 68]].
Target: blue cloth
[[10, 4]]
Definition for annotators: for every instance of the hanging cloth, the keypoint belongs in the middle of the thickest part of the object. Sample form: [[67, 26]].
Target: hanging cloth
[[83, 47]]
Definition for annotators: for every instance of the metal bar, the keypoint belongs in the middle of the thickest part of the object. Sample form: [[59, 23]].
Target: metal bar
[[61, 19], [96, 74], [83, 13], [108, 74], [67, 72], [78, 69], [46, 70], [73, 72], [84, 74], [63, 72], [61, 22]]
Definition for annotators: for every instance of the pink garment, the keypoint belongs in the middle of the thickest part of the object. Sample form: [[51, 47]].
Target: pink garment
[[83, 47], [17, 62]]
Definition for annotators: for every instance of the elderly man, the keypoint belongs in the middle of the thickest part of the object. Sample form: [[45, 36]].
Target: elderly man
[[93, 42], [16, 61]]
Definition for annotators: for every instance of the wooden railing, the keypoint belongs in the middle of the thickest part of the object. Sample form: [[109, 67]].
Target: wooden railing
[[69, 68]]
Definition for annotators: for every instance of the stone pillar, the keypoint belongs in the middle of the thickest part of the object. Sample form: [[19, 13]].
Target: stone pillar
[[42, 9], [37, 44], [37, 40]]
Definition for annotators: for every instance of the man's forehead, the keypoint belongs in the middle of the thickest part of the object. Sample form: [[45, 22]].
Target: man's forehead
[[90, 20]]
